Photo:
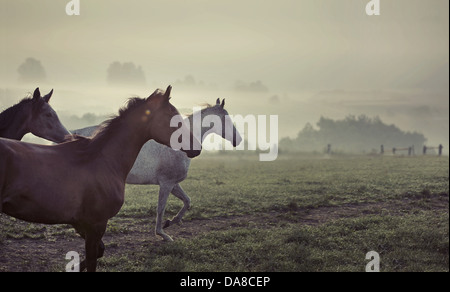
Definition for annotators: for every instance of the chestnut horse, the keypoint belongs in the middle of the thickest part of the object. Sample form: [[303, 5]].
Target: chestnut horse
[[82, 182], [159, 165], [33, 115]]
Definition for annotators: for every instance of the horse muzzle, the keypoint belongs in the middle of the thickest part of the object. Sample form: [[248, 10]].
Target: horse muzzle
[[192, 153]]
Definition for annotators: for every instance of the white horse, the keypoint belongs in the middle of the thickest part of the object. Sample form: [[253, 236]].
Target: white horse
[[160, 165]]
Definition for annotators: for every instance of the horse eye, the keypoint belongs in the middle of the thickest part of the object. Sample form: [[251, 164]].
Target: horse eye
[[48, 115]]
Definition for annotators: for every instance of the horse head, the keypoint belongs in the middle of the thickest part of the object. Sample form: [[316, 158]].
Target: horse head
[[160, 112], [42, 120]]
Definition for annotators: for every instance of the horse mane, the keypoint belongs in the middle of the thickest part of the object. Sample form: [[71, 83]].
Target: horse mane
[[8, 115], [89, 146], [76, 137], [204, 106]]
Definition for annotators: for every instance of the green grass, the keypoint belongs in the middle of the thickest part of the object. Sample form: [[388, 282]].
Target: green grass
[[251, 186], [298, 213], [410, 243]]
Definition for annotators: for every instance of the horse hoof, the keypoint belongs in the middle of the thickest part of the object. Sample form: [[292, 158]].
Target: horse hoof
[[164, 236], [167, 238], [167, 224]]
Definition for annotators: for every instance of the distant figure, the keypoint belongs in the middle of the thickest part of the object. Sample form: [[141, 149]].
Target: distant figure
[[382, 149], [329, 149], [440, 149], [424, 150]]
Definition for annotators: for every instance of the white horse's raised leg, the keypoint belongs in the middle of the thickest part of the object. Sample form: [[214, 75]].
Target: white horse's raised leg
[[164, 192], [178, 192]]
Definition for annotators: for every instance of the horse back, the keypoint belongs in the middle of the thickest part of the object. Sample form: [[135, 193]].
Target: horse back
[[157, 163], [6, 153], [6, 150], [45, 184]]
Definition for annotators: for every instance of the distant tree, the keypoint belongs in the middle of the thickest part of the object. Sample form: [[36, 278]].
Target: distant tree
[[274, 100], [31, 71], [256, 86], [125, 74], [352, 134], [189, 81]]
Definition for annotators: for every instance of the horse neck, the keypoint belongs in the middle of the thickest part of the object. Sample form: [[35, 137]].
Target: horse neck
[[203, 131], [13, 128], [122, 149]]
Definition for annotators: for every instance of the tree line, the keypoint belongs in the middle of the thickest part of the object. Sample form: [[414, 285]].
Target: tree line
[[353, 134], [32, 70]]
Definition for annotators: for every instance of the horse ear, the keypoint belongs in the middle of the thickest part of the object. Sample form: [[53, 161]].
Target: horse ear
[[223, 103], [218, 101], [168, 90], [36, 94], [47, 97]]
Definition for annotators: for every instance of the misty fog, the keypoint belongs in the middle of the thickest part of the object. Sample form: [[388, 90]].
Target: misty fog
[[301, 60]]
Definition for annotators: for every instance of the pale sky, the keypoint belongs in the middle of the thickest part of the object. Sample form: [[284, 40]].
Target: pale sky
[[328, 48], [319, 44]]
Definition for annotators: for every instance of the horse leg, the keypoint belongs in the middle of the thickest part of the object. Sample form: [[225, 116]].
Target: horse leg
[[164, 192], [79, 229], [100, 252], [101, 247], [178, 192], [94, 245]]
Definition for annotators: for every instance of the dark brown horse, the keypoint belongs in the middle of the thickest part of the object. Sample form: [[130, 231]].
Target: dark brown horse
[[33, 115], [82, 182]]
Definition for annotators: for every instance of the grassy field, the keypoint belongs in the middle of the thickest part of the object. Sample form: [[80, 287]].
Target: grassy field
[[299, 213]]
